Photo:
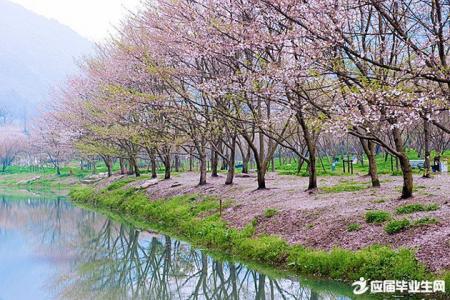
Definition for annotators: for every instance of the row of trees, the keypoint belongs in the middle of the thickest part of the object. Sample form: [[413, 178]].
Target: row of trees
[[210, 79], [39, 147]]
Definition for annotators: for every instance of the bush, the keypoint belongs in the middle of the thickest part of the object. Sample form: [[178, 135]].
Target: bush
[[353, 227], [412, 208], [270, 212], [377, 216], [396, 226], [425, 221]]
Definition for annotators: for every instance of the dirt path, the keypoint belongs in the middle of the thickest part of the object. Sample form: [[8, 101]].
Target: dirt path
[[320, 220]]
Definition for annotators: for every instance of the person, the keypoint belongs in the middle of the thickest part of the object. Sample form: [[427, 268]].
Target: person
[[436, 167]]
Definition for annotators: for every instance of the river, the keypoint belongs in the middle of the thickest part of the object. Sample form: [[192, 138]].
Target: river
[[50, 249]]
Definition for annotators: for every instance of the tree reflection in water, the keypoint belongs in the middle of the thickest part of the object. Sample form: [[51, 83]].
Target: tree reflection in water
[[119, 262], [97, 258]]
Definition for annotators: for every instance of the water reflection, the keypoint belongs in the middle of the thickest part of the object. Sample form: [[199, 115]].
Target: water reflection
[[91, 257]]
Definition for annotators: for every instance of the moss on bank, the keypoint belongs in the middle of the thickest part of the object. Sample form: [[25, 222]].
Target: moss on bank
[[196, 219]]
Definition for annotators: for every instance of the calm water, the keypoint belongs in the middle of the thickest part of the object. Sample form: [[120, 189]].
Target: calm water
[[50, 249]]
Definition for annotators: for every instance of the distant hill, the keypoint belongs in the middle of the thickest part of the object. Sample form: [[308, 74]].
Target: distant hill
[[36, 53]]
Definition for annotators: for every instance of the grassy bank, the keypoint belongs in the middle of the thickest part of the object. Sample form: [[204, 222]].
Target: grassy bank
[[196, 219]]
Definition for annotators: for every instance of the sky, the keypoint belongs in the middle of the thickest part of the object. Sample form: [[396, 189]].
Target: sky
[[93, 19]]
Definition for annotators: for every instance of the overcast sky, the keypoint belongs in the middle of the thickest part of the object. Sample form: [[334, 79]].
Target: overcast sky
[[93, 19]]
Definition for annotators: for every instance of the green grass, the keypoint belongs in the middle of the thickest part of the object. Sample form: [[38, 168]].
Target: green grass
[[417, 207], [377, 216], [121, 183], [425, 221], [270, 212], [353, 227], [396, 226], [283, 167], [290, 166], [196, 219], [345, 187]]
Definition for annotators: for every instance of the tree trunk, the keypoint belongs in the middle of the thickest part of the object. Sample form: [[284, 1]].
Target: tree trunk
[[191, 160], [312, 185], [369, 149], [177, 163], [122, 166], [94, 168], [427, 164], [261, 177], [311, 146], [245, 161], [58, 171], [214, 163], [108, 163], [203, 167], [407, 190], [225, 162], [153, 167], [231, 162], [261, 166], [135, 167], [108, 166], [167, 166]]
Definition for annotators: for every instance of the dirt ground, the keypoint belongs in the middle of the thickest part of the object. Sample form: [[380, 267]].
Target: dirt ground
[[320, 219]]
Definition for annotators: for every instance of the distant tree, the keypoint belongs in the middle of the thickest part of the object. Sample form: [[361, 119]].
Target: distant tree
[[12, 142]]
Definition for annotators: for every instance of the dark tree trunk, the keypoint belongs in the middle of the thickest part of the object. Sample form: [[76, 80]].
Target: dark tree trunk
[[312, 184], [261, 177], [58, 171], [134, 166], [108, 163], [167, 166], [245, 159], [177, 163], [427, 164], [369, 149], [214, 163], [311, 146], [94, 167], [108, 166], [191, 160], [153, 167], [225, 162], [122, 166], [203, 167], [231, 162], [407, 190]]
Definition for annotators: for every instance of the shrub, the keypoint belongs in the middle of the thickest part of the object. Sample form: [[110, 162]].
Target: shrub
[[377, 216], [270, 212], [353, 227], [417, 207], [396, 226], [424, 221]]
